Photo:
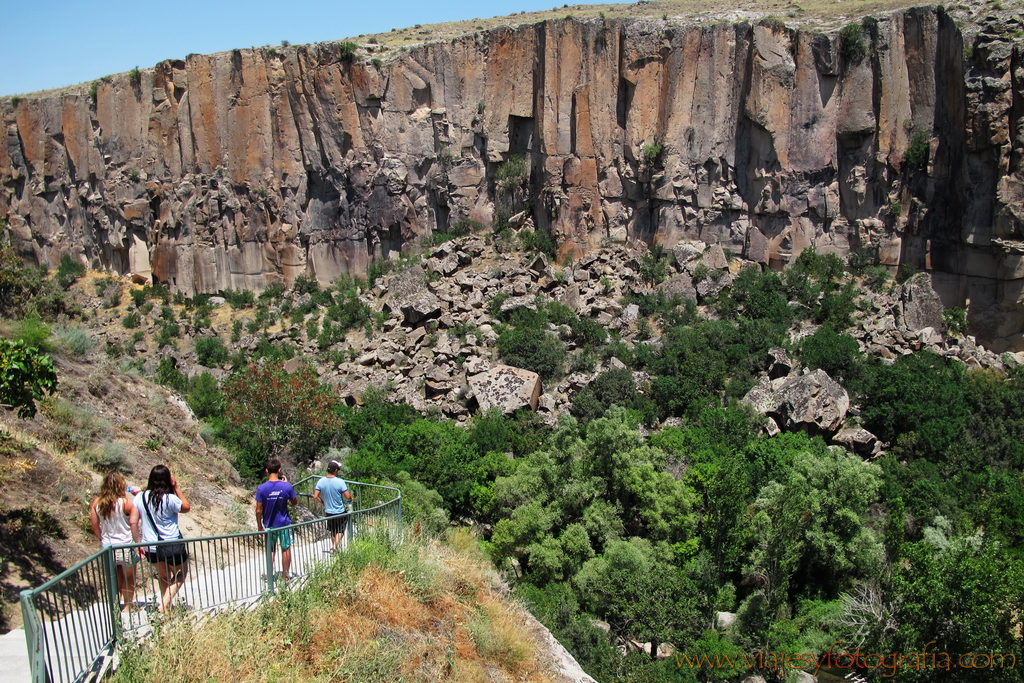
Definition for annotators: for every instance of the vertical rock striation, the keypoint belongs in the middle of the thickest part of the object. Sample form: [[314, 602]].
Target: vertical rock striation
[[238, 169]]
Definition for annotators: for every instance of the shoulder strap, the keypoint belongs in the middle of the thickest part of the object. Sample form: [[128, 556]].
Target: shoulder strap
[[145, 506]]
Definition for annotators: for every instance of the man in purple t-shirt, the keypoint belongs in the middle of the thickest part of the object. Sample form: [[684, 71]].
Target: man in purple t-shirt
[[272, 500]]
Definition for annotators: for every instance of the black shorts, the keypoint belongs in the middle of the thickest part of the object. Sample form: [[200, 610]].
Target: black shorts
[[172, 560], [336, 524]]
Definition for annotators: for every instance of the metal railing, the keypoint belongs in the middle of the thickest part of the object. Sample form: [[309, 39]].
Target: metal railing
[[73, 621]]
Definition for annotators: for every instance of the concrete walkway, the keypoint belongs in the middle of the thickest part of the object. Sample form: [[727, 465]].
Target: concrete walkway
[[223, 574], [14, 658]]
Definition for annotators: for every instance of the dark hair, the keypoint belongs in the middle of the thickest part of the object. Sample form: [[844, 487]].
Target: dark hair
[[333, 466], [274, 466], [159, 484]]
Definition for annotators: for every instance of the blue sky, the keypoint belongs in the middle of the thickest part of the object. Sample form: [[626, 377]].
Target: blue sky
[[47, 45]]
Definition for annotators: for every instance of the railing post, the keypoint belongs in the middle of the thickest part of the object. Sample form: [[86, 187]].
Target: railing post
[[398, 526], [34, 638], [113, 594], [270, 562]]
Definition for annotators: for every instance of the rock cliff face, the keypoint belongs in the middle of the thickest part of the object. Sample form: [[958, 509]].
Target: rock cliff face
[[239, 169]]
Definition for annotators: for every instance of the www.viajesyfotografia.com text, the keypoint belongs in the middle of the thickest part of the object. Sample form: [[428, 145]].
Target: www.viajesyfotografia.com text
[[836, 658]]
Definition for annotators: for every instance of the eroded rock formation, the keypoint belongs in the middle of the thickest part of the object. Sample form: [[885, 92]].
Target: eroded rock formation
[[238, 169]]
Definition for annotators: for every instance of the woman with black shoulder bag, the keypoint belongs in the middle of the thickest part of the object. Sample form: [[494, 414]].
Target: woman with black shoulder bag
[[155, 518]]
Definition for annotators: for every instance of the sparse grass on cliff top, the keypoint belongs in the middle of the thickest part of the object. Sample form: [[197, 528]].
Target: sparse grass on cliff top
[[810, 14], [420, 611]]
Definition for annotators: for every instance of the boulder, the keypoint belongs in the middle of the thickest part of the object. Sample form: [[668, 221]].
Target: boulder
[[539, 264], [714, 258], [779, 364], [920, 305], [407, 284], [813, 402], [685, 251], [516, 302], [507, 388], [420, 307], [757, 246], [680, 285], [856, 439], [713, 284]]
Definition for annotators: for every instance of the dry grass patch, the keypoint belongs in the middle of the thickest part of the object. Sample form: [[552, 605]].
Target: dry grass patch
[[415, 612]]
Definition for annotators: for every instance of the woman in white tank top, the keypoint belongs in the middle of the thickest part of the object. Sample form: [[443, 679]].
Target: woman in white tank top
[[110, 513]]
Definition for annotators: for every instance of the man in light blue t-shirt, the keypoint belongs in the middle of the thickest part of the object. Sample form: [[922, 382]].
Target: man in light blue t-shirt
[[333, 493]]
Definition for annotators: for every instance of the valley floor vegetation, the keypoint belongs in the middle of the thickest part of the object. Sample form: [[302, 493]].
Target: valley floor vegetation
[[614, 535]]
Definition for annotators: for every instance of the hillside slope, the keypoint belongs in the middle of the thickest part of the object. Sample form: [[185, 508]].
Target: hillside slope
[[52, 466]]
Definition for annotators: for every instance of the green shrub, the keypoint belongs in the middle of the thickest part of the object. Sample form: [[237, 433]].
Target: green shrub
[[34, 333], [347, 51], [511, 174], [74, 341], [837, 354], [858, 261], [614, 387], [955, 322], [825, 268], [916, 156], [532, 349], [211, 352], [108, 456], [135, 77], [71, 428], [653, 265], [837, 308], [494, 305], [587, 332], [168, 374], [26, 375], [69, 271], [905, 272], [102, 284], [876, 278], [537, 241], [921, 393], [305, 284], [204, 397], [851, 42], [584, 361], [168, 333], [238, 299], [272, 293], [649, 154]]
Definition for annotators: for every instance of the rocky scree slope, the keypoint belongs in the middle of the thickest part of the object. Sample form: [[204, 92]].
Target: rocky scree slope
[[430, 333], [901, 136]]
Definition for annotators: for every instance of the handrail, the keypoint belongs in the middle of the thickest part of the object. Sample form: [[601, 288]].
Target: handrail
[[74, 621]]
